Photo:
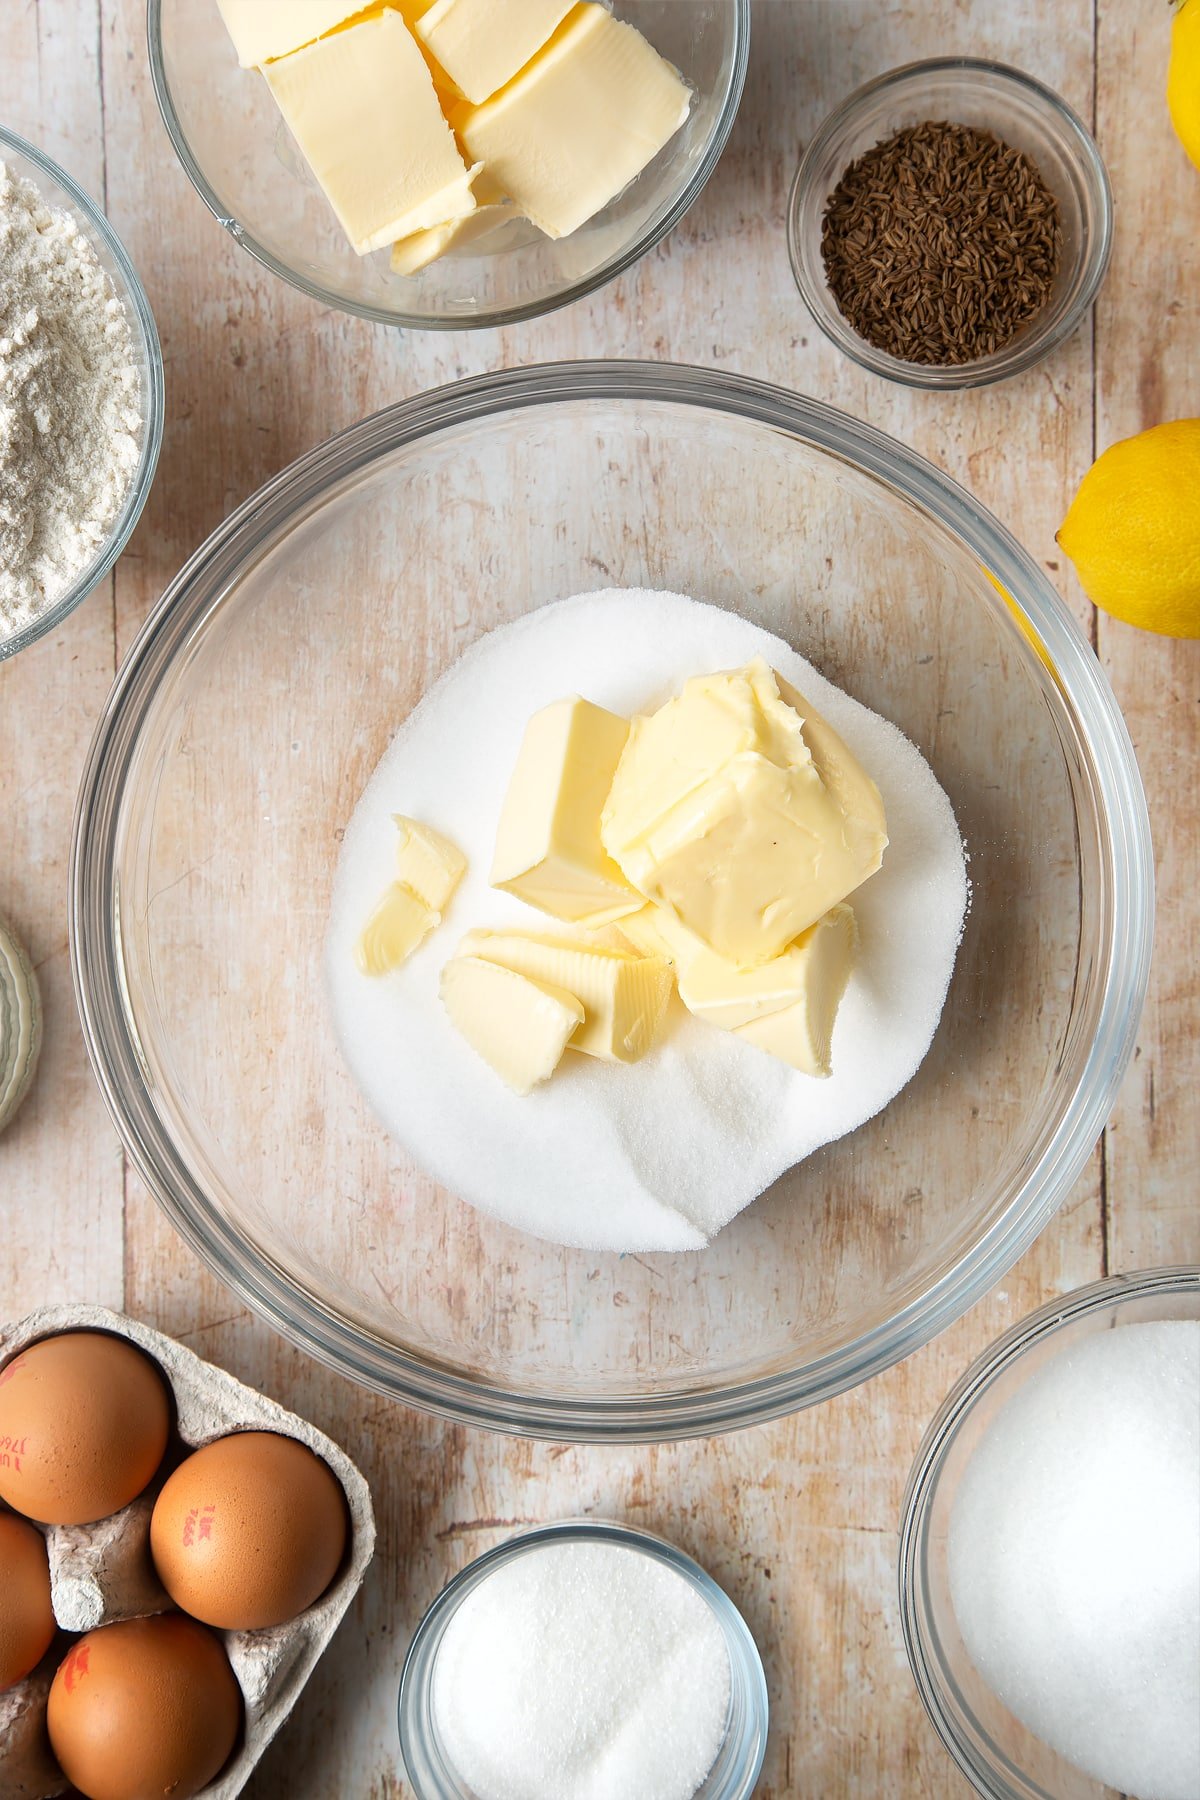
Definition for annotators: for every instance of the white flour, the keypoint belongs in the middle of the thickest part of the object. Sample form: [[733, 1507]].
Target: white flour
[[69, 403]]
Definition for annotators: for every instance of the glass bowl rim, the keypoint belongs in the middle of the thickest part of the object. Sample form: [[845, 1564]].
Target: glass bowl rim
[[95, 927], [1038, 342], [992, 1363], [141, 322], [745, 1662], [496, 316]]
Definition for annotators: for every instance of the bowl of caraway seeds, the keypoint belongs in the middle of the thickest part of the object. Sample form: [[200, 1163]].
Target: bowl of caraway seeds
[[950, 223]]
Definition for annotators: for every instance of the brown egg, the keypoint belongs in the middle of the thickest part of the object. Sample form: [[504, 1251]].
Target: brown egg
[[143, 1709], [26, 1615], [249, 1531], [83, 1426]]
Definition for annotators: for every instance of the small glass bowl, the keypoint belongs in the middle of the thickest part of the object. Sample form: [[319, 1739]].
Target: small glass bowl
[[243, 163], [999, 1755], [1016, 108], [58, 190], [740, 1758]]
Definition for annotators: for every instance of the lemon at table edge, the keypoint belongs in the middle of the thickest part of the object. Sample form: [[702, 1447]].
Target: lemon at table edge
[[1183, 77], [1133, 530]]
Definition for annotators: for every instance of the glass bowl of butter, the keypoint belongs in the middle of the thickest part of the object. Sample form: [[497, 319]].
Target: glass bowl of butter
[[347, 598], [448, 163]]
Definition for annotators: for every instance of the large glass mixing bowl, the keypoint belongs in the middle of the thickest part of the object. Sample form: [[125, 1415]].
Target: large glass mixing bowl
[[256, 702]]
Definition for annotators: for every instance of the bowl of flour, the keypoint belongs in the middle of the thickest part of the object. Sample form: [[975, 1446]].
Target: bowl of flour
[[81, 395]]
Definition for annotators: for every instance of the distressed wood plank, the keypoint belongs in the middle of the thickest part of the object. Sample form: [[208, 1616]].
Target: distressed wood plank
[[1148, 329], [60, 1165]]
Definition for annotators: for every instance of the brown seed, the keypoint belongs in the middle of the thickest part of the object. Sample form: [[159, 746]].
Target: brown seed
[[940, 243]]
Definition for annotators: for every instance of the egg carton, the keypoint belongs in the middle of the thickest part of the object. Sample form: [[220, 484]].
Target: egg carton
[[102, 1573]]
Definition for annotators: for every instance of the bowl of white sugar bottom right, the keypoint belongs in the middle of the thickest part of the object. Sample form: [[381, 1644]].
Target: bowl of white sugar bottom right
[[581, 1659], [1050, 1551]]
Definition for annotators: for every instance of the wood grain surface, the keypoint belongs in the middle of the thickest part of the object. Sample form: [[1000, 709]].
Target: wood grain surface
[[797, 1519]]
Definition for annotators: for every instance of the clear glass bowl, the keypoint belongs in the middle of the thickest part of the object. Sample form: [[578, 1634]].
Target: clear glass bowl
[[59, 190], [991, 97], [1000, 1757], [430, 1770], [254, 706], [243, 163]]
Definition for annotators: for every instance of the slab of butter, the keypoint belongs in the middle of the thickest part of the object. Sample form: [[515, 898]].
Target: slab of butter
[[264, 29], [428, 869], [787, 1006], [520, 1027], [481, 45], [428, 864], [492, 209], [362, 106], [579, 122], [393, 931], [623, 997], [737, 807], [548, 850]]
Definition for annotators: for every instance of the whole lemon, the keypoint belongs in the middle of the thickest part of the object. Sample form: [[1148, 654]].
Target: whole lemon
[[1133, 529], [1183, 77]]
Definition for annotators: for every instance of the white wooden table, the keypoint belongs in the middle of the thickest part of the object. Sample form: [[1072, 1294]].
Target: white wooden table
[[798, 1518]]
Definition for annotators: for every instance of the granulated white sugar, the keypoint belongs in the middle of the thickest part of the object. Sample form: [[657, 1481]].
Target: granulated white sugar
[[1074, 1557], [582, 1672], [70, 404], [661, 1154]]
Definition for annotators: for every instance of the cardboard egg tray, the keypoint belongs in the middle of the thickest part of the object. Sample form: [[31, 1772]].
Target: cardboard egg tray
[[102, 1573]]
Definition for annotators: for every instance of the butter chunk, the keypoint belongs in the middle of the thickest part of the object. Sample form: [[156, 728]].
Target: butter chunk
[[427, 863], [575, 127], [482, 45], [787, 1006], [654, 931], [521, 1027], [548, 850], [263, 29], [394, 930], [623, 997], [740, 809], [363, 109], [415, 252]]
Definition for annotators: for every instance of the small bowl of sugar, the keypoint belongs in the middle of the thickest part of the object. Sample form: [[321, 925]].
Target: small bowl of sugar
[[81, 374], [1050, 1551], [950, 223], [581, 1658]]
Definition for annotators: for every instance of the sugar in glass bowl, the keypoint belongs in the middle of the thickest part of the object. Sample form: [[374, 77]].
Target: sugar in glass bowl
[[256, 703], [239, 156], [427, 1759], [60, 191], [1001, 1758], [1016, 108]]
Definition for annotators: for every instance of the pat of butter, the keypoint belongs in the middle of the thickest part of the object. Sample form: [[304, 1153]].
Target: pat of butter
[[264, 29], [575, 127], [415, 252], [739, 808], [427, 863], [394, 930], [481, 45], [363, 108], [787, 1006], [623, 997], [654, 931], [548, 850], [521, 1027]]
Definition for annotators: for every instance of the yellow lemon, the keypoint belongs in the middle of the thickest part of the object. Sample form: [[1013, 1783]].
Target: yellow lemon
[[1183, 77], [1133, 529]]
